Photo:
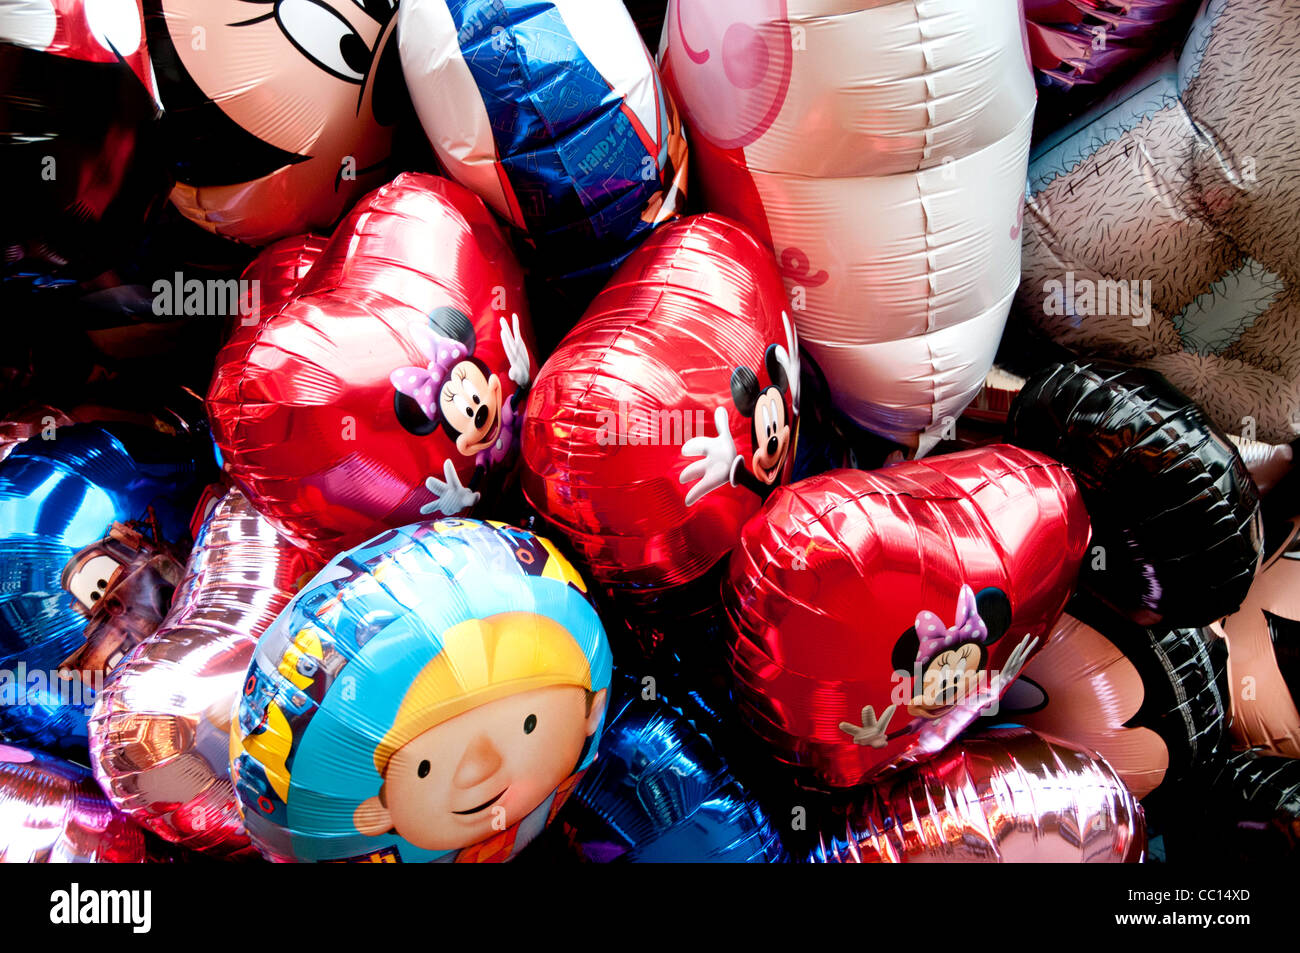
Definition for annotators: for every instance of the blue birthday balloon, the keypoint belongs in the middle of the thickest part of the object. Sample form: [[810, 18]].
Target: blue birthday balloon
[[660, 792], [63, 576]]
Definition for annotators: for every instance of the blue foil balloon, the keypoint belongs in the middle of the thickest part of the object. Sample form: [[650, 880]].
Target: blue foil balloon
[[553, 112], [660, 792], [57, 497]]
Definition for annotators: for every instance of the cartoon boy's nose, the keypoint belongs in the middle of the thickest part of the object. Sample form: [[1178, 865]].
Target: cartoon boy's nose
[[771, 446], [480, 761]]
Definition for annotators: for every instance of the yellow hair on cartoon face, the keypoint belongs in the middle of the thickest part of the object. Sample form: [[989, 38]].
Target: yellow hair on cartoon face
[[483, 660]]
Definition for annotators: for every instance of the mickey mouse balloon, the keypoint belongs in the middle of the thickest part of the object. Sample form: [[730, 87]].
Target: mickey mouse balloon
[[666, 417], [433, 695], [391, 384], [279, 113]]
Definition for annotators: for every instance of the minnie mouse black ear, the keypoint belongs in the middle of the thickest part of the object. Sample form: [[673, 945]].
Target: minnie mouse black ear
[[995, 609], [905, 651], [411, 416], [453, 323]]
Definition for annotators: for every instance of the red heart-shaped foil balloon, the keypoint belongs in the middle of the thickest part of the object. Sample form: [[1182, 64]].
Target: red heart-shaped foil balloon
[[397, 360], [920, 587], [622, 449]]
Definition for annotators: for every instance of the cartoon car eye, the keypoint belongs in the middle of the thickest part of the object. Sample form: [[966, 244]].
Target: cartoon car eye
[[325, 38], [734, 55], [92, 578]]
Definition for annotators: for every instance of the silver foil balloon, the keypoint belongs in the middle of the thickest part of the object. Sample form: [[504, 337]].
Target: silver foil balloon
[[1003, 796], [52, 812], [159, 735]]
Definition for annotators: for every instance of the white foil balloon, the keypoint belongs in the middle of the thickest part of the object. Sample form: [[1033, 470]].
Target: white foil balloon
[[880, 148], [159, 736]]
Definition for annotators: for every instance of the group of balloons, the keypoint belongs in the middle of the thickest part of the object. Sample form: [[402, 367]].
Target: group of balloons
[[603, 453]]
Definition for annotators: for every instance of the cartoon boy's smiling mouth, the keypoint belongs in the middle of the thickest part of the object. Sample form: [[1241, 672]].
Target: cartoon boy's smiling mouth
[[484, 806]]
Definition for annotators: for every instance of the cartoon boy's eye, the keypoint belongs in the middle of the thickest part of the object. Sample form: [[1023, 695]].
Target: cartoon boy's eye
[[529, 724], [423, 769], [325, 38]]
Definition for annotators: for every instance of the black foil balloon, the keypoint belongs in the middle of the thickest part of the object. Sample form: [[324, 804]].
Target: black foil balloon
[[80, 150], [1248, 810], [659, 791], [1175, 514]]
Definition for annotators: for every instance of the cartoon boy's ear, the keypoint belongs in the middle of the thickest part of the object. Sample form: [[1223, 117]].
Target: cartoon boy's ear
[[371, 817], [597, 710], [744, 390], [453, 323], [905, 649], [995, 609], [776, 370]]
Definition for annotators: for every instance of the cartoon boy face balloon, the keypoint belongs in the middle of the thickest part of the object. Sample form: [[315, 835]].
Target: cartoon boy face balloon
[[457, 782], [281, 110]]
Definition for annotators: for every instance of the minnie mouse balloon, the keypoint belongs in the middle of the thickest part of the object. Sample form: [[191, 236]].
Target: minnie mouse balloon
[[391, 384], [877, 564], [1153, 703], [81, 147], [669, 412], [1154, 236], [432, 695], [553, 112], [1003, 796], [1175, 514], [278, 116], [879, 148], [160, 731], [51, 812]]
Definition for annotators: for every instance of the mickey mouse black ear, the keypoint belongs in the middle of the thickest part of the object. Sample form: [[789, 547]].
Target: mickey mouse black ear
[[744, 390], [455, 324], [995, 609], [776, 370]]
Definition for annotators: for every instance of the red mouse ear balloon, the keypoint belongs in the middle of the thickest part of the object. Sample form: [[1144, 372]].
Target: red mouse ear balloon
[[390, 384], [669, 413], [876, 615]]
